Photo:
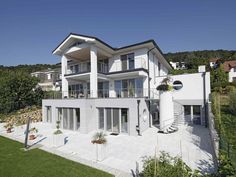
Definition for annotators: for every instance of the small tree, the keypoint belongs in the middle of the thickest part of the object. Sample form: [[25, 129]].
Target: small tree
[[219, 77]]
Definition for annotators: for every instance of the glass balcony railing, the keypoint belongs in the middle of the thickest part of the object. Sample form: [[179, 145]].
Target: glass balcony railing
[[85, 67]]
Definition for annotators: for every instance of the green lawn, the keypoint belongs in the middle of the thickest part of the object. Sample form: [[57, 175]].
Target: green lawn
[[14, 162]]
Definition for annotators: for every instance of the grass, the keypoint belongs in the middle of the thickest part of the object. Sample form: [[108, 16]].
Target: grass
[[15, 162], [226, 125]]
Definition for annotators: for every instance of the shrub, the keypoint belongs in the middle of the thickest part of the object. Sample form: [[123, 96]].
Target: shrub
[[232, 102], [218, 89], [230, 88], [226, 168], [165, 85], [166, 166], [99, 138]]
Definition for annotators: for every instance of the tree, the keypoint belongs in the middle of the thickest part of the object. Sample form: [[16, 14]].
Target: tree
[[219, 77], [18, 90]]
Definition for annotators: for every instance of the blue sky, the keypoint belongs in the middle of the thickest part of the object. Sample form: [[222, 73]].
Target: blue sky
[[30, 30]]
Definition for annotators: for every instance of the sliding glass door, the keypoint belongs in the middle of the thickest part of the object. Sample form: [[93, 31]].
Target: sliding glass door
[[113, 120], [124, 120], [109, 119], [70, 118]]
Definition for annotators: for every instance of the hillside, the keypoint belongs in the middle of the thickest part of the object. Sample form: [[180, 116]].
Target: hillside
[[204, 54], [26, 68]]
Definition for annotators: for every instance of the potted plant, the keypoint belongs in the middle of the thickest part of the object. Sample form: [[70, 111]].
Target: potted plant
[[58, 138], [9, 127], [165, 85], [100, 141], [32, 133], [166, 104]]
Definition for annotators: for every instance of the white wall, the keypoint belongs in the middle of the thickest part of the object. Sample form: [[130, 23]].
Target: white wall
[[192, 91], [231, 74], [89, 113], [140, 58]]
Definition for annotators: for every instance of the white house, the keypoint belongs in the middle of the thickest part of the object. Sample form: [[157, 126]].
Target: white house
[[49, 79], [213, 62], [230, 68], [178, 65], [106, 88]]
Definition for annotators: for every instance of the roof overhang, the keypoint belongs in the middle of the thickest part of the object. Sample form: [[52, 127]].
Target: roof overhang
[[73, 38]]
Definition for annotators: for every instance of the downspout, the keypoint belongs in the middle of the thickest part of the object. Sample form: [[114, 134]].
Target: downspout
[[138, 126], [149, 104]]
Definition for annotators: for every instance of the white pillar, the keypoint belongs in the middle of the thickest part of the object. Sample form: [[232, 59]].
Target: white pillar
[[63, 79], [166, 110], [93, 72]]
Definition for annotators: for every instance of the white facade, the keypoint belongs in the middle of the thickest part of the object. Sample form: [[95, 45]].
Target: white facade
[[232, 74], [105, 88], [178, 65], [48, 79]]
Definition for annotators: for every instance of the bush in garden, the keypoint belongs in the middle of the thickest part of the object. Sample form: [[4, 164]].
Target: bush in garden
[[232, 102]]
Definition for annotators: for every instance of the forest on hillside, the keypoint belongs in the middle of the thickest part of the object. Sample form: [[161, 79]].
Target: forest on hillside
[[193, 59], [204, 54], [26, 68]]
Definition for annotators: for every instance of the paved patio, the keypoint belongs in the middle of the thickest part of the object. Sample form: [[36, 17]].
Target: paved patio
[[124, 153]]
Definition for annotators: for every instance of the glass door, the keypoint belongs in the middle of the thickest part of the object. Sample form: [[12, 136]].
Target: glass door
[[77, 113], [124, 120], [65, 119], [115, 122], [109, 119]]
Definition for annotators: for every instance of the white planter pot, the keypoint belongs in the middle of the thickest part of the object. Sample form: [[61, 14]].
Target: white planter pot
[[58, 140], [19, 130], [100, 152], [2, 127], [166, 110]]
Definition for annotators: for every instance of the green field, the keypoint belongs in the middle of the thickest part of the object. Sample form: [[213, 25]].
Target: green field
[[15, 162]]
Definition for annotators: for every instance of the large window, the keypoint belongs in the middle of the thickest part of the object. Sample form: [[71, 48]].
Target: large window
[[118, 88], [101, 118], [103, 89], [113, 120], [124, 120], [129, 87], [69, 117], [127, 61], [109, 119], [76, 90]]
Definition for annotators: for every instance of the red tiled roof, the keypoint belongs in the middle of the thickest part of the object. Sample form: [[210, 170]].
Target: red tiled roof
[[229, 64], [213, 59]]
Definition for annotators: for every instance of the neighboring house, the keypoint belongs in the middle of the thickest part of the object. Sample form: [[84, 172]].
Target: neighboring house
[[230, 68], [178, 65], [114, 89], [49, 80], [213, 62]]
